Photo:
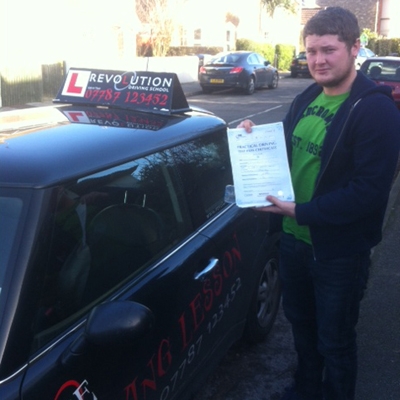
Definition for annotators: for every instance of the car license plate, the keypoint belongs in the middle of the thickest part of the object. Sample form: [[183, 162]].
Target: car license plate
[[216, 81]]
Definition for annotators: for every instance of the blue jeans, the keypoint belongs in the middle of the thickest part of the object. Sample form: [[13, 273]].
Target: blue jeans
[[321, 300]]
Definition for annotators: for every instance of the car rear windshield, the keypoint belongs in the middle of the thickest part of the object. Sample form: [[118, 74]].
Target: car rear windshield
[[225, 59], [384, 70]]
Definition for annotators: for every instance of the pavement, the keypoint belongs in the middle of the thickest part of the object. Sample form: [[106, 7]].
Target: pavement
[[379, 324]]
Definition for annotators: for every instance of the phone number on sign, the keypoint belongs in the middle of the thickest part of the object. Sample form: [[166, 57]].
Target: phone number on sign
[[109, 95]]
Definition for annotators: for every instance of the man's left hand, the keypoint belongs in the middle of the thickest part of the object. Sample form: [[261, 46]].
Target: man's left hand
[[287, 208]]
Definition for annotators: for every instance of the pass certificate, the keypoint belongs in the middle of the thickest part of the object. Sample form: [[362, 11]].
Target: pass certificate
[[259, 164]]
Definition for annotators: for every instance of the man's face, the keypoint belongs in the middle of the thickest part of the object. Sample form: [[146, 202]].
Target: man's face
[[330, 62]]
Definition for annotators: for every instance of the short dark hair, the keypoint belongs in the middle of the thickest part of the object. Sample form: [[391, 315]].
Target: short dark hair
[[334, 21]]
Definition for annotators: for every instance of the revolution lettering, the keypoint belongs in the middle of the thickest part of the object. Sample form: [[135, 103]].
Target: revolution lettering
[[123, 81]]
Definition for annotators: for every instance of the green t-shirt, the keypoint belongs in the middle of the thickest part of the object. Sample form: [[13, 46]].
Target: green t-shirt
[[307, 141]]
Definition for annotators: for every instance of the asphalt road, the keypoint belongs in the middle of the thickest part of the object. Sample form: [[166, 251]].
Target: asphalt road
[[263, 371]]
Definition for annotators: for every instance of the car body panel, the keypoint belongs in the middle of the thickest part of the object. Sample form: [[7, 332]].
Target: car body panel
[[362, 55], [384, 71]]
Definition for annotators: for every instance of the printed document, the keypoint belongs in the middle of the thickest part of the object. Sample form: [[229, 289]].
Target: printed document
[[260, 165]]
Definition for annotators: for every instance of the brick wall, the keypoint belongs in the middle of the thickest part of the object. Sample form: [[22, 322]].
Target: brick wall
[[365, 10]]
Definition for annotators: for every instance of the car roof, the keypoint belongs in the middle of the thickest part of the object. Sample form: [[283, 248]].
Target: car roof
[[41, 147], [104, 118], [384, 58]]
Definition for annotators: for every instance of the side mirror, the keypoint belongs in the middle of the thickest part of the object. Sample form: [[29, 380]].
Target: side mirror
[[266, 63], [116, 323]]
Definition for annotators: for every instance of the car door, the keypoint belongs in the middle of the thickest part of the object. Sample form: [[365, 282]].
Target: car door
[[149, 333], [259, 69], [157, 362]]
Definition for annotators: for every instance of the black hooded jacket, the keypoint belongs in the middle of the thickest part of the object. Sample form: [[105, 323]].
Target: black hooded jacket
[[358, 160]]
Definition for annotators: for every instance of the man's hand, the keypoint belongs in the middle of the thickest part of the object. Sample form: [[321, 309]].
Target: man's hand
[[287, 208], [246, 124]]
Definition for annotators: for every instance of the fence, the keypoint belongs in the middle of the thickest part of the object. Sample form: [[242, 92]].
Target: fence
[[30, 84]]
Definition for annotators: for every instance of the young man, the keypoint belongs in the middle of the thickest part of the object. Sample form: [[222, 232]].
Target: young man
[[343, 140]]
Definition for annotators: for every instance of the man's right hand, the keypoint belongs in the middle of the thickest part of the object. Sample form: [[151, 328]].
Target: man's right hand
[[246, 124]]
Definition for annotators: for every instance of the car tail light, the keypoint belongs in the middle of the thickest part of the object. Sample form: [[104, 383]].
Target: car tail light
[[202, 70], [236, 70]]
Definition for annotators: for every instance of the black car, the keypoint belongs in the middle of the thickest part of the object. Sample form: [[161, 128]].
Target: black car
[[242, 70], [299, 65], [123, 272]]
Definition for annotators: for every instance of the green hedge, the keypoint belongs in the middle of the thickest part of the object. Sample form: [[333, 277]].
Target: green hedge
[[192, 50], [284, 55], [280, 55], [384, 47]]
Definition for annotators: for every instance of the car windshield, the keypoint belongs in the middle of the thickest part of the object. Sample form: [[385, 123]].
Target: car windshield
[[370, 53], [10, 216]]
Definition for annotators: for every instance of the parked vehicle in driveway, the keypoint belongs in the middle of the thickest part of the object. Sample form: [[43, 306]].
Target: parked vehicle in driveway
[[244, 70], [362, 55], [299, 65], [124, 274], [384, 71]]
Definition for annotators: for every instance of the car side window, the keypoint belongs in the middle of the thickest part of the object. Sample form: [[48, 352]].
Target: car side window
[[253, 59], [108, 227], [205, 169]]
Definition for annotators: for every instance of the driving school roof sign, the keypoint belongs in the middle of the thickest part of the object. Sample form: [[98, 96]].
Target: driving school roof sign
[[158, 92]]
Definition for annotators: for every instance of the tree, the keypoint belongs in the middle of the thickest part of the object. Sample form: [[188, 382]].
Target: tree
[[232, 18], [158, 18], [271, 5]]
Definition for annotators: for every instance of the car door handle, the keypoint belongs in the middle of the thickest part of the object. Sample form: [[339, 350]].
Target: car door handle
[[212, 264]]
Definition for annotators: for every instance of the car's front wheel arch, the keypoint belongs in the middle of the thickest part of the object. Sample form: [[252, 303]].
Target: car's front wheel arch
[[265, 301]]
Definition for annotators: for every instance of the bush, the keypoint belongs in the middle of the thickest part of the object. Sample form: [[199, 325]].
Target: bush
[[385, 47], [192, 50], [284, 56], [266, 50]]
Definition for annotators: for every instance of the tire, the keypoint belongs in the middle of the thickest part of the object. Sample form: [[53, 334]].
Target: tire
[[275, 81], [265, 301], [293, 74], [251, 86]]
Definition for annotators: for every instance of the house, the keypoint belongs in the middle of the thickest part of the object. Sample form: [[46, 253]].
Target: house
[[380, 16]]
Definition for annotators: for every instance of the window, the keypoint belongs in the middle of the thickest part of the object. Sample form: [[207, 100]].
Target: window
[[110, 226], [253, 59], [10, 216], [106, 229], [197, 34], [205, 170]]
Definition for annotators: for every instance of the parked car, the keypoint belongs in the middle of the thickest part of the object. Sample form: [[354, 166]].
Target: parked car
[[362, 55], [244, 70], [384, 71], [124, 274], [299, 65]]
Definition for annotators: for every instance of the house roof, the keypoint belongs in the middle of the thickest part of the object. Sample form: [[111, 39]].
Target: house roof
[[307, 13]]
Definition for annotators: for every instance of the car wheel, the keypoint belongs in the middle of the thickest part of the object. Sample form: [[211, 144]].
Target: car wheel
[[265, 301], [274, 82], [293, 74], [250, 86]]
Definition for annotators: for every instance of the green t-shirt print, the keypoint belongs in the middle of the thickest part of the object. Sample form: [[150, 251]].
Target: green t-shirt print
[[307, 141]]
